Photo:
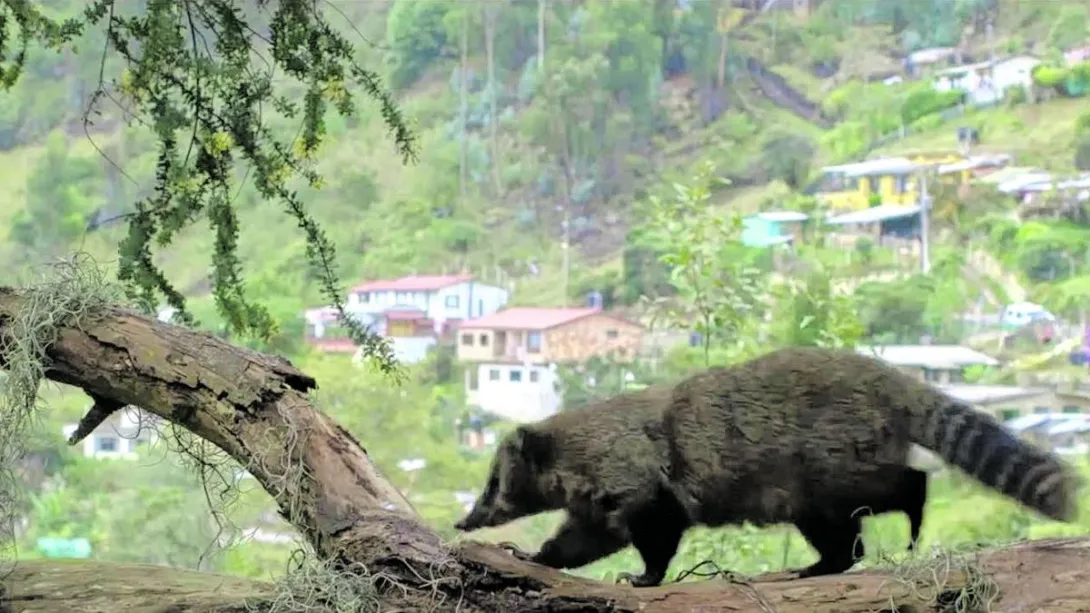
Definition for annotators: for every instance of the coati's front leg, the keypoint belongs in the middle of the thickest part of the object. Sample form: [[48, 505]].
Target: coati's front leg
[[656, 532], [579, 542]]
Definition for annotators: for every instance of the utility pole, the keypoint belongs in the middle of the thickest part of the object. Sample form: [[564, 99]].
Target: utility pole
[[925, 222], [566, 246]]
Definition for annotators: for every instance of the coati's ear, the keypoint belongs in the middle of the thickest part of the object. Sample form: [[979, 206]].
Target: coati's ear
[[534, 446]]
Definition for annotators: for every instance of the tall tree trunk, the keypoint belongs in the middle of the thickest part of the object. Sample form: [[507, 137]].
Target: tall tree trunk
[[490, 16], [256, 408], [463, 160], [541, 36]]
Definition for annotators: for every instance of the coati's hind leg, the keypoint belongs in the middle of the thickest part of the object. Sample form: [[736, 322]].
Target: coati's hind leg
[[656, 532], [838, 540], [578, 543], [914, 484]]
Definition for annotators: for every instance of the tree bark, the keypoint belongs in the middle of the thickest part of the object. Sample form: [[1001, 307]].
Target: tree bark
[[463, 159], [255, 408]]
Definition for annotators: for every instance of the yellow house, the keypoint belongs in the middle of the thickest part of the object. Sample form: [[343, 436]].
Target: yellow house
[[856, 186], [892, 181]]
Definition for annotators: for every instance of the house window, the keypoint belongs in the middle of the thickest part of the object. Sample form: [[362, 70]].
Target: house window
[[516, 375], [106, 443], [364, 297], [494, 374], [1070, 408], [611, 334], [484, 340], [534, 376], [533, 342], [452, 302], [1040, 410], [467, 340]]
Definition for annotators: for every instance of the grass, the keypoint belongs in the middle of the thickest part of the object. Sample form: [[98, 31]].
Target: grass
[[1034, 134]]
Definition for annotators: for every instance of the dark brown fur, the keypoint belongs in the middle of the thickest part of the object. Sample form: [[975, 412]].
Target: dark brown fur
[[808, 436], [603, 464]]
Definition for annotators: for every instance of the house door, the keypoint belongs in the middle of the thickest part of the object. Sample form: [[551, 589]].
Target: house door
[[399, 328], [499, 347]]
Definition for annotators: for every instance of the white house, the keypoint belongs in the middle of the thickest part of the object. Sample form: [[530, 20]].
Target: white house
[[413, 311], [441, 298], [119, 436], [940, 364], [987, 82]]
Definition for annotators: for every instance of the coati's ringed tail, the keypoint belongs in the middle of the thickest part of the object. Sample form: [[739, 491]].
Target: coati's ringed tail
[[979, 445]]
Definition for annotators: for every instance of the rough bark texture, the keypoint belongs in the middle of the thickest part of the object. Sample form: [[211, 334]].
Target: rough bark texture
[[255, 408]]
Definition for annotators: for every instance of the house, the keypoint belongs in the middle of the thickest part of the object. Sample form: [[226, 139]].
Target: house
[[443, 299], [1007, 402], [512, 355], [987, 82], [933, 363], [1024, 410], [888, 225], [119, 436], [924, 59], [770, 228], [1077, 55], [856, 186], [415, 312]]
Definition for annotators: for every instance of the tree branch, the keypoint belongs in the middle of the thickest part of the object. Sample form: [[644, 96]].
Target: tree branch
[[255, 408]]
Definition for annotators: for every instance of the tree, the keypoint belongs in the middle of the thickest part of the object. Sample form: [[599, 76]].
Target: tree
[[789, 158], [221, 97], [60, 195], [372, 542], [719, 291]]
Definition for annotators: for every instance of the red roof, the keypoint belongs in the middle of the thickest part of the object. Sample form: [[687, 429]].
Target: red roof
[[413, 283], [528, 318]]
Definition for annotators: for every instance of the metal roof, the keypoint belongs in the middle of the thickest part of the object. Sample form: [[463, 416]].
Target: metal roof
[[881, 212], [987, 394], [880, 166], [782, 216], [930, 356]]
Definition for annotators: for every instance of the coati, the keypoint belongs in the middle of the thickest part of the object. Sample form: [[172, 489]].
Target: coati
[[807, 435], [602, 463]]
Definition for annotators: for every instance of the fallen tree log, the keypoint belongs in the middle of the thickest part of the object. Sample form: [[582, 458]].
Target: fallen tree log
[[255, 408]]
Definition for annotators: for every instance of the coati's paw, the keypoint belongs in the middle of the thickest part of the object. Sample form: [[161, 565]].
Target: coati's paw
[[643, 580], [514, 550]]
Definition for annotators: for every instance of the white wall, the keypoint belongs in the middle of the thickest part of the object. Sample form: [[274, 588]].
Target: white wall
[[125, 431], [407, 349], [521, 401], [468, 300]]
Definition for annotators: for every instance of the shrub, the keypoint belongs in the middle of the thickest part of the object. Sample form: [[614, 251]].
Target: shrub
[[1015, 95], [1050, 76], [927, 101]]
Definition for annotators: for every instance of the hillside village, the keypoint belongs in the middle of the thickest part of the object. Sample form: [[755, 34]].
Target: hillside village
[[913, 186]]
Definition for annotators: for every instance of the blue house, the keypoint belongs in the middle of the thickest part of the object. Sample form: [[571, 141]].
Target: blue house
[[766, 229]]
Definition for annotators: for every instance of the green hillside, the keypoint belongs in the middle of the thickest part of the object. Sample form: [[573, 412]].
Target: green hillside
[[631, 93]]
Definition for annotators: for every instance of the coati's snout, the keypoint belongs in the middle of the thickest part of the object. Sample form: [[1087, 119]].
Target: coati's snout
[[483, 515], [512, 489]]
